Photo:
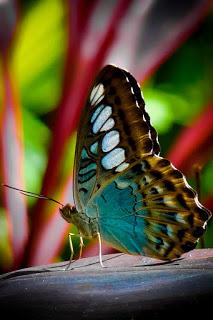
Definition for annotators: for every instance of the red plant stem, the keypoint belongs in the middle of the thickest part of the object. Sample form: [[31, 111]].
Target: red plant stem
[[209, 202], [93, 249], [54, 233], [191, 139], [77, 21], [12, 159], [166, 48]]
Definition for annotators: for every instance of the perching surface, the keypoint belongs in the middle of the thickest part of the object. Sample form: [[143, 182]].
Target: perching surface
[[130, 287]]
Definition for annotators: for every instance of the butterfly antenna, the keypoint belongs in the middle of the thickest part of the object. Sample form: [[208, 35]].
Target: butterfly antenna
[[32, 194]]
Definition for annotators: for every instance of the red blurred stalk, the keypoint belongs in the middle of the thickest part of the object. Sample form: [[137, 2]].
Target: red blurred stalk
[[208, 203], [55, 232], [164, 49], [12, 159], [92, 249], [77, 22], [186, 150], [67, 120]]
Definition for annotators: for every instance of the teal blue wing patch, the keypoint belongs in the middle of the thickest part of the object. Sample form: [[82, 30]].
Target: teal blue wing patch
[[119, 225]]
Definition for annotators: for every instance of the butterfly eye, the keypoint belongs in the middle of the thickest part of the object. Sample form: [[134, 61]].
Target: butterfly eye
[[67, 212]]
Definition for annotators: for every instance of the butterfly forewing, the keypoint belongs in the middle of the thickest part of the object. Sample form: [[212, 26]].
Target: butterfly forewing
[[114, 132]]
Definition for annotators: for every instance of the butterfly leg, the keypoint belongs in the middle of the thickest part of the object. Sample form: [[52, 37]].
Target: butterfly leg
[[100, 250], [81, 246], [71, 250]]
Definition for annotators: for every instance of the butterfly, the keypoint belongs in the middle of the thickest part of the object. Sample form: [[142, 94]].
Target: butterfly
[[125, 193]]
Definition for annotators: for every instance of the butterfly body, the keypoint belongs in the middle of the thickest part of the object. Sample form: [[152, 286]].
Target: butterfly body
[[88, 226], [136, 200]]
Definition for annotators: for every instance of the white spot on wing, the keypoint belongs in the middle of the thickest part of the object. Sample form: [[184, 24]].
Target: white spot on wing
[[110, 140], [101, 119], [113, 158], [108, 125], [96, 112], [127, 79], [122, 167], [97, 94]]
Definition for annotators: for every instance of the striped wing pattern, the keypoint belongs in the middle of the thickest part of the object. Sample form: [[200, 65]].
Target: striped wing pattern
[[114, 132], [157, 212]]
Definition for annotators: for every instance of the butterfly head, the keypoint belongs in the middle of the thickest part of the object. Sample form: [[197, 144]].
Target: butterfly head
[[67, 212]]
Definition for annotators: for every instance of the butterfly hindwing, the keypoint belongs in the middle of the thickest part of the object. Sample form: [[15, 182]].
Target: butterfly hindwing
[[157, 212], [114, 132]]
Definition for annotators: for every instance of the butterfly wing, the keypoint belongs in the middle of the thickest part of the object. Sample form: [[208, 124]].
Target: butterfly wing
[[151, 210], [114, 132], [143, 204]]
